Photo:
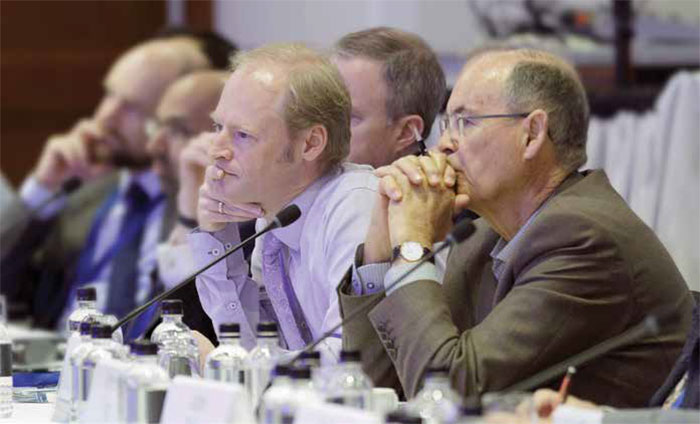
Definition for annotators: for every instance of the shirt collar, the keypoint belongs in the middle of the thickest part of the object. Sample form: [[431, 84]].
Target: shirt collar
[[291, 234], [148, 180]]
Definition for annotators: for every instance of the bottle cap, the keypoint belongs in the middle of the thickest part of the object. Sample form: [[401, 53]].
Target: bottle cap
[[143, 347], [267, 329], [437, 372], [171, 307], [300, 373], [350, 356], [400, 417], [86, 293], [230, 328], [281, 370]]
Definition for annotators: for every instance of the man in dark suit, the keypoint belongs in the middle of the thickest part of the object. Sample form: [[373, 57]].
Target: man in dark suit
[[558, 262], [104, 234]]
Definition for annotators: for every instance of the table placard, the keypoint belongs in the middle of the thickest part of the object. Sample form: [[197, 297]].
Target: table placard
[[192, 400], [103, 404]]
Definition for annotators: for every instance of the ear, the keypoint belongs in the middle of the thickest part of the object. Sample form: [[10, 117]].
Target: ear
[[314, 143], [535, 133], [406, 128]]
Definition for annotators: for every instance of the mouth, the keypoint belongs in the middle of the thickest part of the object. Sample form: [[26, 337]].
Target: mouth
[[220, 173]]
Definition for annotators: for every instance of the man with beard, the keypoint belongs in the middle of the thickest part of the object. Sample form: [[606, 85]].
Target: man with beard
[[105, 234]]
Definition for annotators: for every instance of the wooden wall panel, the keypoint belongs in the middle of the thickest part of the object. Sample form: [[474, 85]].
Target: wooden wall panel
[[53, 56]]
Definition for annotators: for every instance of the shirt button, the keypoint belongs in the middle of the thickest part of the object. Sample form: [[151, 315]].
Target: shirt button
[[370, 286], [228, 246], [232, 306], [215, 252]]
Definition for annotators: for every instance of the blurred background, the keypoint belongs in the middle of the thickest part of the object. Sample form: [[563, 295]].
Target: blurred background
[[53, 55]]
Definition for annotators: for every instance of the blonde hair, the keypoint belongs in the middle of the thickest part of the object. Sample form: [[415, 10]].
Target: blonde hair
[[316, 94]]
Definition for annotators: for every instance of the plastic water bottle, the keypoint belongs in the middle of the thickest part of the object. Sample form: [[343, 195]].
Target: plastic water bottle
[[227, 361], [275, 398], [171, 326], [86, 310], [5, 364], [436, 403], [302, 392], [178, 353], [103, 347], [75, 359], [261, 361], [313, 361], [348, 384], [143, 385]]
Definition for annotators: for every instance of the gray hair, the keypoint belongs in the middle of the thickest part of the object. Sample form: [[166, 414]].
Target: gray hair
[[542, 80]]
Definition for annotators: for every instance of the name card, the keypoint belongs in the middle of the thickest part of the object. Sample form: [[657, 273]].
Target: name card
[[324, 413], [61, 413], [104, 403], [193, 400], [565, 414]]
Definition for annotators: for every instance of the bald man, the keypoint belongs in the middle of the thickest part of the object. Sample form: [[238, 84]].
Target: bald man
[[105, 234]]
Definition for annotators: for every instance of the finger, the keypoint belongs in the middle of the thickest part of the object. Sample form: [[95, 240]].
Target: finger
[[389, 188], [431, 170], [450, 176], [214, 173], [411, 167]]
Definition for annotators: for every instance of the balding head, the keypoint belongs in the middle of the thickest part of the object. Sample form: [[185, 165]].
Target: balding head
[[133, 87], [182, 113], [535, 79]]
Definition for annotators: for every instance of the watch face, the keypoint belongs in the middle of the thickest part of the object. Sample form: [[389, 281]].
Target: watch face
[[411, 251]]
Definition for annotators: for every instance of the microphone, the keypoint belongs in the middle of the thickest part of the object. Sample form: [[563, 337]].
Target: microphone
[[285, 217], [463, 230], [650, 326]]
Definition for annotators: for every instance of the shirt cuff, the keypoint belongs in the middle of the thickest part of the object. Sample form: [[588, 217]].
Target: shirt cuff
[[367, 279], [33, 194], [427, 271]]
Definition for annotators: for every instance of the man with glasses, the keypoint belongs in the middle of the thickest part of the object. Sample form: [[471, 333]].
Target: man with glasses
[[558, 262], [105, 234]]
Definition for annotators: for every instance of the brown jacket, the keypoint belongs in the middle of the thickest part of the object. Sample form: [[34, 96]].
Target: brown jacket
[[584, 270]]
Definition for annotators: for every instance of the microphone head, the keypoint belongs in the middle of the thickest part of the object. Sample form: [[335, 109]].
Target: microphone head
[[71, 184], [462, 230], [287, 216]]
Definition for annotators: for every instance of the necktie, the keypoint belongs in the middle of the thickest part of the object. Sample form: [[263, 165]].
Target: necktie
[[290, 316], [124, 272]]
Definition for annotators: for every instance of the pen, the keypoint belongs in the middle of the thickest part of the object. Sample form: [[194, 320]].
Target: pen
[[565, 382]]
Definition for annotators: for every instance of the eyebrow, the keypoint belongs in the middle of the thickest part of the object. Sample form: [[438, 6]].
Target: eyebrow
[[463, 110]]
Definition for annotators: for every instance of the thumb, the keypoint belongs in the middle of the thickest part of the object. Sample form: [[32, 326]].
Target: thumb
[[461, 203]]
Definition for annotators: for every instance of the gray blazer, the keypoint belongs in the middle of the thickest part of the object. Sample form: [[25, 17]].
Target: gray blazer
[[584, 270]]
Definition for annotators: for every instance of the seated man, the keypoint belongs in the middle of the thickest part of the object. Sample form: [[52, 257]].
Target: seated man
[[397, 88], [558, 262], [181, 116], [104, 234], [283, 131]]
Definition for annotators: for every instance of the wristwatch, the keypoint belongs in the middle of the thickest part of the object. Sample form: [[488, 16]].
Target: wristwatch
[[410, 251]]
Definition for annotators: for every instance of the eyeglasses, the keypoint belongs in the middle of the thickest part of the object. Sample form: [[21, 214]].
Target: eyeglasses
[[456, 123], [174, 128]]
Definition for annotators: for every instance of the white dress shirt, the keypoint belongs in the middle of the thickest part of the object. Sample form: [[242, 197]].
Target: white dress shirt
[[318, 249]]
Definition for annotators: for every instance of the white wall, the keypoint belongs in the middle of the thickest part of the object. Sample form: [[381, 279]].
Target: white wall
[[447, 25]]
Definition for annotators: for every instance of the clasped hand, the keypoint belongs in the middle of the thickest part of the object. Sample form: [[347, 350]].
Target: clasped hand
[[416, 202]]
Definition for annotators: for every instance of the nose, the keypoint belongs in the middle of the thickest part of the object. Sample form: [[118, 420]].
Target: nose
[[218, 149], [446, 144]]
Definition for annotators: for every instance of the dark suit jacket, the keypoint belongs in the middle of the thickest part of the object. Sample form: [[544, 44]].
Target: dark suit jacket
[[39, 258], [584, 270]]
